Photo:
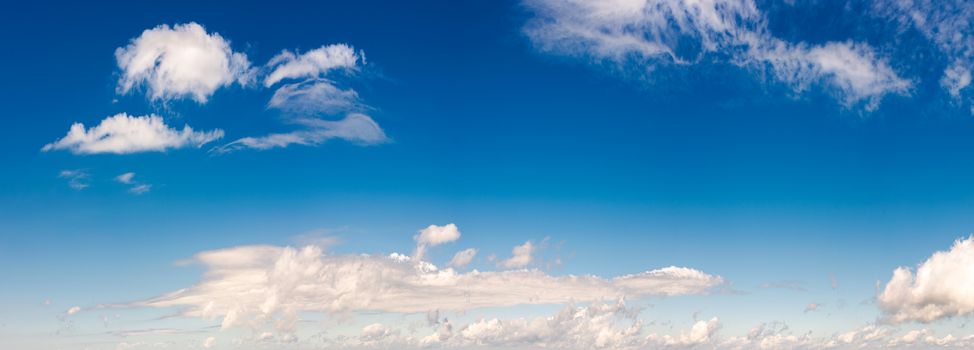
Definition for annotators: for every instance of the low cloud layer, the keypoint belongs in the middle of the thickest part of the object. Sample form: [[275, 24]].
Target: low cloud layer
[[253, 285]]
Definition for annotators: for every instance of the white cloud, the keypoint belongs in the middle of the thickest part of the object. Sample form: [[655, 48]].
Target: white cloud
[[947, 24], [521, 256], [311, 64], [77, 179], [683, 32], [140, 189], [209, 342], [125, 178], [315, 96], [73, 310], [122, 133], [941, 287], [434, 235], [180, 61], [356, 128], [250, 285], [463, 257]]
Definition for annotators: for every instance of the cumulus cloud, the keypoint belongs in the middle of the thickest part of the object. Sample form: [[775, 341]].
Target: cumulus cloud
[[252, 284], [179, 62], [356, 128], [77, 179], [463, 257], [680, 32], [311, 64], [941, 287], [73, 310], [122, 134], [522, 255], [434, 235]]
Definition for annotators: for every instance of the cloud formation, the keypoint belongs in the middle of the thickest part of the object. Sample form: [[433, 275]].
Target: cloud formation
[[311, 64], [183, 61], [463, 257], [521, 256], [77, 179], [251, 285], [680, 32], [122, 134], [356, 128], [434, 235], [941, 287]]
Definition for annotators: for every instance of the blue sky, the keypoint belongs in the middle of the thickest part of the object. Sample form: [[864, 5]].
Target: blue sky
[[794, 154]]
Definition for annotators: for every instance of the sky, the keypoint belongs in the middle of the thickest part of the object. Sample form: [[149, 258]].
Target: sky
[[560, 174]]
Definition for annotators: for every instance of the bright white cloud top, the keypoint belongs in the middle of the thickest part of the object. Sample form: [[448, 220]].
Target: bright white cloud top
[[311, 64], [122, 134], [653, 33], [182, 61], [255, 285], [941, 287]]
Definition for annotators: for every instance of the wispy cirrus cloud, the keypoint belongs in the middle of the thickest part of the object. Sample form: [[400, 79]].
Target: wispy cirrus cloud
[[653, 34], [77, 179]]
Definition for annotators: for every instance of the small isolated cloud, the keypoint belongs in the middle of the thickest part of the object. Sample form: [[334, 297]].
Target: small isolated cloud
[[179, 62], [77, 179], [136, 187], [652, 34], [122, 134], [940, 288], [812, 307], [463, 257], [356, 128], [125, 178], [522, 255], [311, 64], [140, 189], [73, 310]]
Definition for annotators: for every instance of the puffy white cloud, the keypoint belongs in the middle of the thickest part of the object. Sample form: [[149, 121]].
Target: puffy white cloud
[[682, 32], [251, 285], [356, 128], [311, 64], [522, 255], [463, 257], [180, 61], [122, 133], [77, 179], [434, 235], [943, 286]]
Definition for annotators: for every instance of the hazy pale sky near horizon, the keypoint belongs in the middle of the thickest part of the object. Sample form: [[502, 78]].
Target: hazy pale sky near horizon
[[569, 174]]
